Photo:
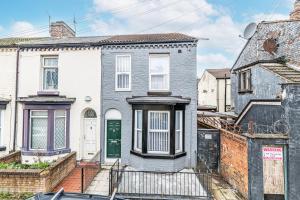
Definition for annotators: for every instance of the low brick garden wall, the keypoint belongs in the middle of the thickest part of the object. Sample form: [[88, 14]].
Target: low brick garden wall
[[34, 180], [234, 160]]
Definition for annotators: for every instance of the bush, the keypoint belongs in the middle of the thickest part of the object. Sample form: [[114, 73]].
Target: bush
[[15, 165], [16, 196]]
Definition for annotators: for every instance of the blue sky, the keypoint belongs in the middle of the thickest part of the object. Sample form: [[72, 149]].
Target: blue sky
[[219, 20]]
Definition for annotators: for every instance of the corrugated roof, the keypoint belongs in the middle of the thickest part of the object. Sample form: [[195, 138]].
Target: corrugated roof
[[285, 71], [220, 73]]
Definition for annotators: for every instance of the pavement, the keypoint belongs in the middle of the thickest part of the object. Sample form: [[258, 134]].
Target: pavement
[[100, 184], [223, 191]]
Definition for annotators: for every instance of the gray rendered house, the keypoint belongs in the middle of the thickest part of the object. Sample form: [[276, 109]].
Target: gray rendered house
[[149, 101]]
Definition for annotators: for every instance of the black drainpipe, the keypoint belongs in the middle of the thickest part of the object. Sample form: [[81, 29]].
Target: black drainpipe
[[16, 98]]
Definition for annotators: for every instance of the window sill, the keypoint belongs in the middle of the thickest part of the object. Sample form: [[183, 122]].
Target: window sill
[[48, 93], [158, 156], [159, 93], [119, 90], [245, 91], [45, 152], [2, 148]]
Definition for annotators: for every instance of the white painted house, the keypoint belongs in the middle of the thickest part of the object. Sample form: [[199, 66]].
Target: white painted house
[[58, 93], [7, 96], [214, 90]]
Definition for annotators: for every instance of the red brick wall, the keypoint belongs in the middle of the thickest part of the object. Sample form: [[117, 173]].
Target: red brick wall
[[234, 160], [12, 157], [36, 180]]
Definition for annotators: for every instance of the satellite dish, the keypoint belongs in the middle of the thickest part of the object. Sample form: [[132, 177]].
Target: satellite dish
[[250, 30]]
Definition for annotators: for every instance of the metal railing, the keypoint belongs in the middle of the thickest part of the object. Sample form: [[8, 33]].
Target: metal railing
[[114, 176], [161, 185]]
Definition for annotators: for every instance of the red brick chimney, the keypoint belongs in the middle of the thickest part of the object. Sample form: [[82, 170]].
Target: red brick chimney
[[60, 29], [295, 14]]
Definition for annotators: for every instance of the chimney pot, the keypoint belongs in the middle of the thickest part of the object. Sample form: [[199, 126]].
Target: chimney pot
[[295, 14], [60, 29]]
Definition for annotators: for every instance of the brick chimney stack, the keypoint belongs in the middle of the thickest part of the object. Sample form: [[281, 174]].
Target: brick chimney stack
[[295, 15], [60, 29]]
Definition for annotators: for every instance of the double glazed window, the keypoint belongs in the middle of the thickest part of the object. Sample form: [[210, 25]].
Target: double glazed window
[[40, 125], [138, 130], [50, 73], [245, 81], [60, 129], [123, 73], [39, 129], [159, 65], [158, 131]]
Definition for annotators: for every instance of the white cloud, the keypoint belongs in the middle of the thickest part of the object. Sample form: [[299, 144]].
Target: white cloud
[[25, 29], [194, 17], [213, 61]]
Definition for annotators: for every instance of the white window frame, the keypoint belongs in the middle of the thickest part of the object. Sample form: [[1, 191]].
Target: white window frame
[[49, 67], [156, 130], [30, 121], [246, 79], [118, 73], [54, 132], [168, 72], [181, 131], [1, 127], [136, 131]]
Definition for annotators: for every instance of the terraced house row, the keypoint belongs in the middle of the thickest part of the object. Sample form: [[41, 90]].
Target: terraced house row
[[132, 96]]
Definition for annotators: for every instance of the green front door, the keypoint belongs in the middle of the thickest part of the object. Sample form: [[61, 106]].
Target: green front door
[[113, 139]]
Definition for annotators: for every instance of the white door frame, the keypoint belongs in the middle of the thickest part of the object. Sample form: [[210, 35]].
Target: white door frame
[[111, 114], [83, 132]]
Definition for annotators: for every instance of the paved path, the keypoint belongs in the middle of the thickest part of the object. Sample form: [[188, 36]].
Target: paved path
[[100, 184], [72, 183], [223, 191]]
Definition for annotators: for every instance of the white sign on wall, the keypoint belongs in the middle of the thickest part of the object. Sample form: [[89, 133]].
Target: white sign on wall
[[272, 153]]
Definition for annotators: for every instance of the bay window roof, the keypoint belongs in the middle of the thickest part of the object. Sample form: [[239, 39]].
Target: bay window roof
[[164, 100], [3, 103], [46, 100]]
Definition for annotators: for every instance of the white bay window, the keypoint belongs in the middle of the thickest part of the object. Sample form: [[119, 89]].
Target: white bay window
[[178, 130], [158, 131], [123, 73], [138, 129], [159, 65]]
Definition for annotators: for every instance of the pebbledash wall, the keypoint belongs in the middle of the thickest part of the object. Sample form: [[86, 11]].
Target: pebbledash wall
[[7, 91], [183, 82], [79, 73]]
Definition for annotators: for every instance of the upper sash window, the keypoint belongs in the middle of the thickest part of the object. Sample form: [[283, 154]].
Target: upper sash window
[[123, 73], [50, 73], [159, 65]]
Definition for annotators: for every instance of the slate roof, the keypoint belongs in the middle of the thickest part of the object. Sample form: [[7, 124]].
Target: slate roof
[[291, 74], [99, 40], [220, 73], [14, 41], [149, 38]]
